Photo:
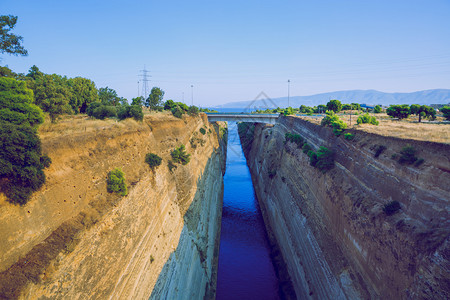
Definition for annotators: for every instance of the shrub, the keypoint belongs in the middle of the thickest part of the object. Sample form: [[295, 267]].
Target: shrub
[[325, 159], [202, 131], [21, 163], [419, 162], [177, 112], [367, 119], [306, 147], [288, 111], [407, 155], [446, 111], [391, 208], [338, 127], [312, 158], [180, 156], [349, 136], [398, 111], [334, 105], [116, 182], [377, 109], [130, 111], [379, 150], [104, 111], [169, 105], [329, 118], [90, 109], [193, 110], [294, 138], [153, 160]]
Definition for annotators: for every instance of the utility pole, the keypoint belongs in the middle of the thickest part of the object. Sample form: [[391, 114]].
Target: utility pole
[[289, 83], [145, 79], [138, 89], [192, 93]]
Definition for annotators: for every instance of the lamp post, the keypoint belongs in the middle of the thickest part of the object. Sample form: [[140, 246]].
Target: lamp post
[[192, 93], [289, 82]]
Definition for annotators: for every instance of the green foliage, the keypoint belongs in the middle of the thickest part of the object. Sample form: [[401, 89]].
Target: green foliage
[[391, 208], [21, 163], [312, 158], [379, 149], [193, 110], [180, 156], [169, 105], [329, 118], [446, 111], [16, 103], [83, 92], [91, 107], [407, 155], [306, 109], [306, 147], [104, 111], [321, 108], [338, 127], [207, 110], [356, 106], [10, 43], [155, 98], [108, 97], [202, 131], [349, 136], [178, 112], [423, 111], [294, 138], [334, 105], [153, 160], [325, 159], [367, 119], [137, 101], [377, 109], [346, 107], [398, 111], [116, 182], [130, 111], [288, 111]]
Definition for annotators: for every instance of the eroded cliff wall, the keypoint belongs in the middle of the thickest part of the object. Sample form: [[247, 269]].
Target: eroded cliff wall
[[330, 227], [74, 240]]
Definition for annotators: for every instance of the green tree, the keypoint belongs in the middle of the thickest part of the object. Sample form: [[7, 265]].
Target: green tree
[[7, 72], [153, 160], [355, 106], [346, 107], [446, 111], [377, 109], [169, 105], [137, 101], [321, 108], [423, 111], [155, 98], [398, 111], [16, 103], [334, 105], [10, 43], [52, 94], [83, 93], [179, 155], [288, 111], [108, 96]]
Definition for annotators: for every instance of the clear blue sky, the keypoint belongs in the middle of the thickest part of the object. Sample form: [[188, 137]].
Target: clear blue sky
[[233, 50]]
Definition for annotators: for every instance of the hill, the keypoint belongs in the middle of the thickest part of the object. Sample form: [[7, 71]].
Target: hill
[[370, 97]]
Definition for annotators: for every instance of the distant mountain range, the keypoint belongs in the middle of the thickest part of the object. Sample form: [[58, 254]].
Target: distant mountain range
[[369, 97]]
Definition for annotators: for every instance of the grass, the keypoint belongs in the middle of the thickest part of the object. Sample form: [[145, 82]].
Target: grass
[[406, 129]]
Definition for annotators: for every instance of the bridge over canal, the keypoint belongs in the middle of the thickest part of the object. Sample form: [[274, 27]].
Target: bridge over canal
[[243, 117]]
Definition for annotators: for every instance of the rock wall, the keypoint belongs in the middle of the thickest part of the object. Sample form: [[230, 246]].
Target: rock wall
[[334, 236], [74, 240]]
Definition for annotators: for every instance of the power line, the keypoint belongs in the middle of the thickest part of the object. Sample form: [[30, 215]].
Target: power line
[[144, 79]]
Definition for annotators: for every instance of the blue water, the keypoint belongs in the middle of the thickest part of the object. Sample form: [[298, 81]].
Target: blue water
[[245, 268]]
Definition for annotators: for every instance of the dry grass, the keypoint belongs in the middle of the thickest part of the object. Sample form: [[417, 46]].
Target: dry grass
[[436, 131]]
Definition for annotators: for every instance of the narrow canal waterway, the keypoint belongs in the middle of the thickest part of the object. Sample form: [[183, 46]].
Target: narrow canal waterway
[[245, 268]]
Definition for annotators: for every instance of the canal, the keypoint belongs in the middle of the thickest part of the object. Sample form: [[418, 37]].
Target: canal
[[245, 267]]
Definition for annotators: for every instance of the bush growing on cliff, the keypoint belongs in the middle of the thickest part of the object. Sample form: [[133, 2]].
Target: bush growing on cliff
[[177, 112], [130, 111], [349, 136], [379, 149], [338, 127], [153, 160], [325, 159], [407, 155], [171, 166], [391, 208], [180, 156], [312, 158], [104, 111], [115, 182], [202, 131], [294, 138], [306, 147]]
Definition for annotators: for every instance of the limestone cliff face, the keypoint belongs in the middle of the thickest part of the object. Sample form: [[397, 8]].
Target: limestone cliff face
[[73, 240], [331, 229]]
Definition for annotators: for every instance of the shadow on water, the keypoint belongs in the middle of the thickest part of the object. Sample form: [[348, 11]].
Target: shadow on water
[[191, 270], [245, 269]]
